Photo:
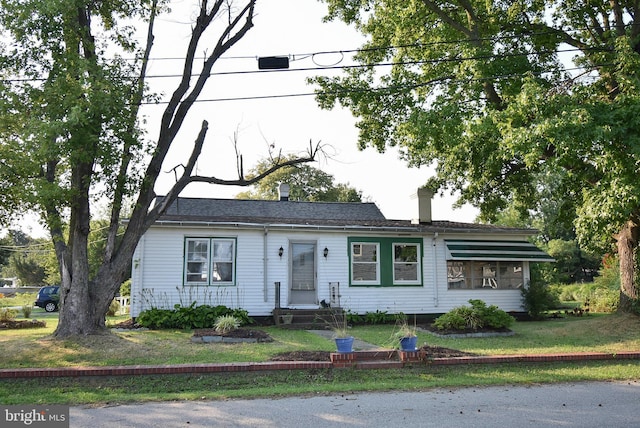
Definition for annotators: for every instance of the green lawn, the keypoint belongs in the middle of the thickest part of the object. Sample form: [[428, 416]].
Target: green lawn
[[34, 348]]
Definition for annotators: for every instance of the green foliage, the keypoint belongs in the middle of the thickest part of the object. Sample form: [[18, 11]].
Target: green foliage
[[190, 317], [26, 310], [7, 314], [572, 263], [114, 307], [353, 318], [521, 122], [18, 299], [378, 317], [125, 288], [226, 323], [603, 294], [474, 317], [537, 298]]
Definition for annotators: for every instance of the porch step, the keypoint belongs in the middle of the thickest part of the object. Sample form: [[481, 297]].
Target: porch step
[[308, 319]]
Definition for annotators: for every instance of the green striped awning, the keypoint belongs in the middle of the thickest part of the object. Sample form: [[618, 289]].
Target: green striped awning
[[495, 250]]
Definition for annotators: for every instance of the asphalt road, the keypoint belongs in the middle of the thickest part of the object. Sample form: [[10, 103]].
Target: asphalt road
[[584, 405]]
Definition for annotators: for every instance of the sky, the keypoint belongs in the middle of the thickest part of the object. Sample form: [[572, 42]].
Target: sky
[[292, 28]]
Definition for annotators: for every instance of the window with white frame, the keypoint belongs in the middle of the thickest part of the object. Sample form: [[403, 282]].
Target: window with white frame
[[365, 263], [197, 261], [406, 266], [385, 261], [209, 261]]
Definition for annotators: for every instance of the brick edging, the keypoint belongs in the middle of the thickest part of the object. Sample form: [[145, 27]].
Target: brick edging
[[361, 359]]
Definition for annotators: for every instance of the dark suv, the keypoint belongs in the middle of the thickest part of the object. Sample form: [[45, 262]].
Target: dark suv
[[48, 298]]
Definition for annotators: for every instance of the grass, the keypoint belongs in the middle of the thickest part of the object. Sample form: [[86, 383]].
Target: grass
[[33, 348]]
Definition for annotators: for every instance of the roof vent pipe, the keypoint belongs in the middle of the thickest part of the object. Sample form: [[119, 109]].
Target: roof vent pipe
[[424, 196], [283, 192]]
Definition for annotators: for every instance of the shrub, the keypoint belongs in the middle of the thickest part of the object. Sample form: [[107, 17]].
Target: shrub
[[189, 317], [114, 307], [538, 298], [475, 317], [354, 318], [226, 323], [378, 317], [125, 288], [26, 311], [7, 314]]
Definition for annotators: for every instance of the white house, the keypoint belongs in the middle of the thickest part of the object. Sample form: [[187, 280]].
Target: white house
[[261, 255]]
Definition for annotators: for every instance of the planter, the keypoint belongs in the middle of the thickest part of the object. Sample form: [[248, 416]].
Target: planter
[[408, 343], [344, 345], [286, 318]]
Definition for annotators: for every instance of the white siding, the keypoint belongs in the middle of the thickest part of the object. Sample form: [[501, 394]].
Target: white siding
[[157, 274]]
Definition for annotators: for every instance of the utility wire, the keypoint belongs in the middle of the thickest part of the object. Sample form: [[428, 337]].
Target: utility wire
[[355, 66], [390, 89]]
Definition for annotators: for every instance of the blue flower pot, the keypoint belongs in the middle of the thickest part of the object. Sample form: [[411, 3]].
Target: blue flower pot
[[408, 343], [344, 344]]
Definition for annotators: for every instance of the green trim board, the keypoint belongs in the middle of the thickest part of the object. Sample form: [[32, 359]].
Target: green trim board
[[385, 261], [495, 251]]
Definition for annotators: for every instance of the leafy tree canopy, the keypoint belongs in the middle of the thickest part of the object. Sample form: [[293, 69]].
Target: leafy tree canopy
[[500, 95], [72, 79]]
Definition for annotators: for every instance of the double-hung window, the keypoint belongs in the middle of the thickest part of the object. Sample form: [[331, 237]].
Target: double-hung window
[[365, 263], [209, 261], [406, 266], [382, 261]]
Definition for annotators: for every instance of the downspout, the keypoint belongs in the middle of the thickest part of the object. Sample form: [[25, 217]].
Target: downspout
[[135, 302], [265, 263], [435, 270]]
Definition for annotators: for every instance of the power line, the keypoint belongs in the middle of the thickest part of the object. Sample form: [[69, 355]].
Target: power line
[[390, 89], [347, 67]]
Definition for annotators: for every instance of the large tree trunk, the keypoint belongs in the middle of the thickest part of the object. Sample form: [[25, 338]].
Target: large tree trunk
[[627, 241]]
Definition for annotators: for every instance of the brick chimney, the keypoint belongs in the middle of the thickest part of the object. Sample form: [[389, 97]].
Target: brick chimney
[[283, 191], [424, 196]]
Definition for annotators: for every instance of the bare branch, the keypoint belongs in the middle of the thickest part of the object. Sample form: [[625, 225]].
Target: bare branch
[[311, 155], [121, 178]]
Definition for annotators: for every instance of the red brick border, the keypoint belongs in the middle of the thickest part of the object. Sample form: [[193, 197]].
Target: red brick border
[[383, 359]]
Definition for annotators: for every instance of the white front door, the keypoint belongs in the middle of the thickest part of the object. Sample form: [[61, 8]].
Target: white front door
[[303, 274]]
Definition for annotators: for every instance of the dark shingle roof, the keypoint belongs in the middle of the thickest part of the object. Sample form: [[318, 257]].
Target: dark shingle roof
[[192, 208], [329, 214]]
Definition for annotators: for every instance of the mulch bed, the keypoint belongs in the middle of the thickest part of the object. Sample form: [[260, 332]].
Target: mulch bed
[[13, 324], [127, 325]]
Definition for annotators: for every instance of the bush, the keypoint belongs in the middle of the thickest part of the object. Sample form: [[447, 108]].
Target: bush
[[474, 317], [226, 323], [26, 311], [125, 288], [114, 307], [189, 317], [538, 298], [603, 294], [378, 317], [354, 318], [7, 314]]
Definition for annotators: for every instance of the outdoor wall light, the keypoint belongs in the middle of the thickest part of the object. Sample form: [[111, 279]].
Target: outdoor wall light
[[280, 251], [325, 253]]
